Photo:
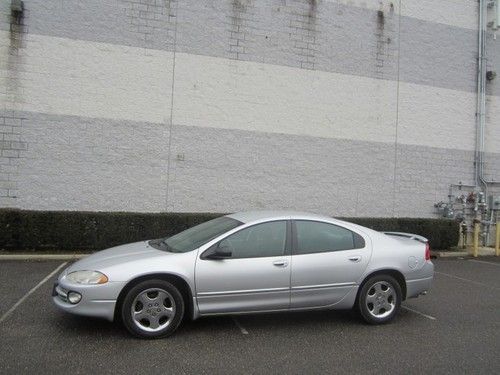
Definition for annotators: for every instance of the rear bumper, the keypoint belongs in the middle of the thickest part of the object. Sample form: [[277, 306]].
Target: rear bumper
[[423, 284], [97, 300]]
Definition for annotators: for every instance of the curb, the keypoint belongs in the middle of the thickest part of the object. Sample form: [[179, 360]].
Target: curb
[[41, 256], [456, 254], [449, 254]]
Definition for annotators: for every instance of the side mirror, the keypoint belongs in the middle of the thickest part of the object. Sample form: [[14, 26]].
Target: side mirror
[[217, 253]]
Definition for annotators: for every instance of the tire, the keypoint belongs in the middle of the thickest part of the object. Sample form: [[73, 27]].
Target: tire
[[152, 309], [379, 299]]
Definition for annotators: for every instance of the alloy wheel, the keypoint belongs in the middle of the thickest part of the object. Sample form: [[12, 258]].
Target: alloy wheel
[[381, 299], [153, 309]]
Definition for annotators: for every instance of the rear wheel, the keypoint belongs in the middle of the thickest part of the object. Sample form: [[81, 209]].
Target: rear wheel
[[152, 309], [379, 299]]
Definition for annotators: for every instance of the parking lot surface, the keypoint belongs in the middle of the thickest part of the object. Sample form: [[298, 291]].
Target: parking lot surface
[[454, 329]]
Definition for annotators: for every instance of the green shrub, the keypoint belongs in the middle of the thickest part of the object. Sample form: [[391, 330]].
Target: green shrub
[[441, 233], [69, 230], [90, 231]]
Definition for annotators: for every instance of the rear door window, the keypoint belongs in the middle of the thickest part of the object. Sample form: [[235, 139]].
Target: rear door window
[[319, 237]]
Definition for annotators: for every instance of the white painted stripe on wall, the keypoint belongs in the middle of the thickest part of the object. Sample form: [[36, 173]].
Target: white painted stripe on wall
[[74, 77], [436, 117], [221, 93], [492, 129]]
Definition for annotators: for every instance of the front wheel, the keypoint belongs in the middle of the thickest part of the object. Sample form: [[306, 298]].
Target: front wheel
[[152, 309], [379, 299]]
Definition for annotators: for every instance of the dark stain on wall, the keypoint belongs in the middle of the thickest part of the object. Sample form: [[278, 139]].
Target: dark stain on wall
[[18, 30], [303, 31], [242, 23], [384, 28]]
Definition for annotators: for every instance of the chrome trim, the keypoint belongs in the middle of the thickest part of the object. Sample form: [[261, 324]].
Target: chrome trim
[[61, 291], [231, 292], [62, 294], [421, 279], [274, 289], [346, 302], [321, 286]]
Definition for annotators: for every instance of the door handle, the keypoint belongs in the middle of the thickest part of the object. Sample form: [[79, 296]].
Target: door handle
[[280, 263], [355, 259]]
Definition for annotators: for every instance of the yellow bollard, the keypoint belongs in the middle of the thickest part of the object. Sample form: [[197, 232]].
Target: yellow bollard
[[497, 241], [475, 248]]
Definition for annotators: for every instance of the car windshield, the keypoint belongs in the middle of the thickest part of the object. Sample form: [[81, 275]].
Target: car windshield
[[198, 235]]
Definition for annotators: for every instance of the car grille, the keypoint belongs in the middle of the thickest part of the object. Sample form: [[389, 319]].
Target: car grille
[[60, 292]]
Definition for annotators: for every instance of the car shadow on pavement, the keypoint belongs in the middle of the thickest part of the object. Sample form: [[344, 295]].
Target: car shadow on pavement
[[81, 326], [301, 319]]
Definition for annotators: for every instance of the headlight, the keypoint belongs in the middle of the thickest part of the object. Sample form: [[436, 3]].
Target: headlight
[[87, 277]]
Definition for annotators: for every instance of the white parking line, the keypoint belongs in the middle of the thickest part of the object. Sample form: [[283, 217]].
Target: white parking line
[[11, 310], [485, 262], [238, 324], [468, 280], [419, 313]]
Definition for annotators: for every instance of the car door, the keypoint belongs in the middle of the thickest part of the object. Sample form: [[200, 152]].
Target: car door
[[327, 262], [256, 275]]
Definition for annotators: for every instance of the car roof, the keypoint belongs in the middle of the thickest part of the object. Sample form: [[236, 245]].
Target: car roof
[[250, 216]]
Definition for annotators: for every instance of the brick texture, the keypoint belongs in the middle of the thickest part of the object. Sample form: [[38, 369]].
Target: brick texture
[[13, 149]]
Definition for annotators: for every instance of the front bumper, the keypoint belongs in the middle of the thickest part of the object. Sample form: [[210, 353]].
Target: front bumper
[[97, 300]]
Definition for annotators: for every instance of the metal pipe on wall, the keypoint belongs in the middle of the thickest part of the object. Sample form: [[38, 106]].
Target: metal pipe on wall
[[481, 100], [481, 113]]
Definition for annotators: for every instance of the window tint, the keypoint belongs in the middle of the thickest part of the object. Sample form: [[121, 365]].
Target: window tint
[[316, 237], [194, 237], [261, 240]]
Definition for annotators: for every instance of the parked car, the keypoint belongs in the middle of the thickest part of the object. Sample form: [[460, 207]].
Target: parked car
[[248, 262]]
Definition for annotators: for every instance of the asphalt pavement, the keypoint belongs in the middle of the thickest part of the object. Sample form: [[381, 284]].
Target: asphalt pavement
[[455, 329]]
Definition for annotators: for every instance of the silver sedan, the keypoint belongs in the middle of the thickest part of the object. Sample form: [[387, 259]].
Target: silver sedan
[[248, 262]]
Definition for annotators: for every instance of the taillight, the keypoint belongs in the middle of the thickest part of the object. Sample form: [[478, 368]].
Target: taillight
[[427, 251]]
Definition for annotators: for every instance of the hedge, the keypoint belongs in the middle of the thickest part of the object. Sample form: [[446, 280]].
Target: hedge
[[88, 231], [22, 230], [441, 233]]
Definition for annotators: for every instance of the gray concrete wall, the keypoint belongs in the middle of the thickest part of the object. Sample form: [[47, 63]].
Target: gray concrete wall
[[154, 105]]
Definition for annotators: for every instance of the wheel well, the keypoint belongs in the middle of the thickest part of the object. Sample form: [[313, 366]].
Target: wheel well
[[178, 281], [396, 274]]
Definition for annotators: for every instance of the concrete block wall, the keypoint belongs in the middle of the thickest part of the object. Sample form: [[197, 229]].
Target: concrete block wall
[[350, 108], [12, 149]]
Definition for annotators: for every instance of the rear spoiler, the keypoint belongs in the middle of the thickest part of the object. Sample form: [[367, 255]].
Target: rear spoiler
[[410, 236]]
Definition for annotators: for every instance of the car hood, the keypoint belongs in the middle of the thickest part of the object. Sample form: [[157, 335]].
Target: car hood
[[116, 256]]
